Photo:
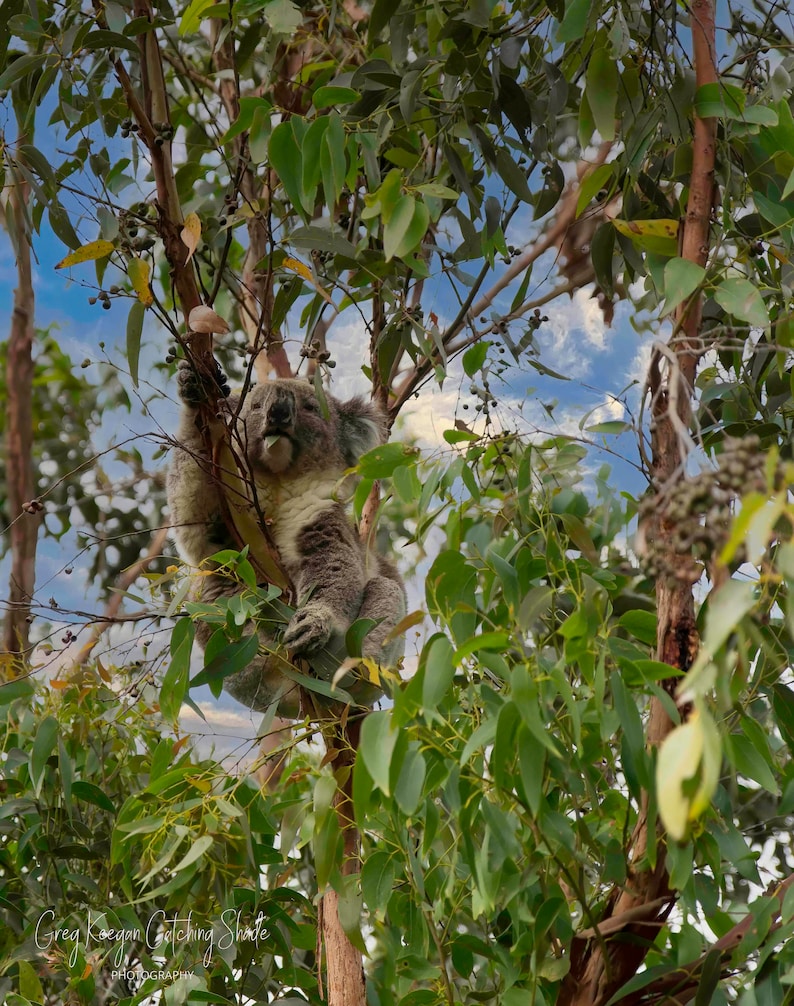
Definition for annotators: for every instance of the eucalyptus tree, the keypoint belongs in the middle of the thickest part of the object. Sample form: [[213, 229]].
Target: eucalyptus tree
[[584, 792]]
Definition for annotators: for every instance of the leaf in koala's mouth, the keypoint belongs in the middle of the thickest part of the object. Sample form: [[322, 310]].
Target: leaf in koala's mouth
[[272, 439]]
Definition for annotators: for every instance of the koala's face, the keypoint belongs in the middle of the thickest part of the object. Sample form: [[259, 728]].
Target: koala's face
[[282, 426]]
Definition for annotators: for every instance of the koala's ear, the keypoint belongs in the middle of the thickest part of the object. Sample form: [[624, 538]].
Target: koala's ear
[[362, 426]]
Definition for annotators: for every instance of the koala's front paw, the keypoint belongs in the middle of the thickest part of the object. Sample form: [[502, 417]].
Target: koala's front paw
[[310, 628], [195, 388]]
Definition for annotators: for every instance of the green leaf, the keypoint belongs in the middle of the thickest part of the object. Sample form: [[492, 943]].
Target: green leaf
[[602, 90], [229, 660], [741, 299], [574, 23], [331, 94], [24, 66], [641, 625], [411, 781], [380, 462], [17, 688], [248, 106], [175, 680], [35, 159], [43, 747], [761, 115], [62, 225], [681, 279], [377, 881], [602, 249], [772, 211], [103, 39], [592, 183], [788, 188], [382, 13], [355, 635], [497, 641], [438, 191], [89, 793], [720, 101], [377, 746], [311, 146], [512, 175], [474, 358], [439, 671], [134, 332], [783, 705], [285, 159], [749, 762], [406, 227], [611, 427], [333, 164], [525, 697], [196, 851], [726, 608], [196, 11], [29, 984], [283, 16]]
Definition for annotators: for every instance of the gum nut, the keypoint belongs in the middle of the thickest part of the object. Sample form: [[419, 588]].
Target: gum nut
[[204, 319]]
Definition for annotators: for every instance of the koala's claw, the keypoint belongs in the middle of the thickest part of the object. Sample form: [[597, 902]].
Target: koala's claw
[[195, 388], [309, 629]]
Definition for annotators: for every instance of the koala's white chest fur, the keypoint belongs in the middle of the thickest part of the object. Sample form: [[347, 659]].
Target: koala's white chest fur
[[292, 503]]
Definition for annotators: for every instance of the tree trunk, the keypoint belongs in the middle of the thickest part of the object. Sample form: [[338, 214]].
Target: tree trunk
[[600, 967], [344, 970], [19, 439]]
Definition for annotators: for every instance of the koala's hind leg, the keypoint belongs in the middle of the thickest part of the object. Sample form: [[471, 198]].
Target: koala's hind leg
[[384, 601]]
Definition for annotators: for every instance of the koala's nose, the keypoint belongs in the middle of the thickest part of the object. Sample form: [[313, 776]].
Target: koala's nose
[[281, 412]]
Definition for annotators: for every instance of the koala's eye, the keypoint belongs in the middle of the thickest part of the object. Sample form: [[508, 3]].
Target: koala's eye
[[311, 406]]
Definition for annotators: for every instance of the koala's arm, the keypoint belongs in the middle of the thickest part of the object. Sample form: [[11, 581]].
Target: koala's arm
[[194, 497], [329, 567]]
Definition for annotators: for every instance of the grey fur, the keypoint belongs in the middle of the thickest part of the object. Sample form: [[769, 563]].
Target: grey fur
[[296, 456]]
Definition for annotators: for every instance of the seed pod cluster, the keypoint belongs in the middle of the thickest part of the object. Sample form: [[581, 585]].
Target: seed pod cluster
[[684, 528]]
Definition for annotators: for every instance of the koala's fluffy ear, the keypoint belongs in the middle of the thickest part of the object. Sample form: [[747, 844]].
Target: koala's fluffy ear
[[362, 426]]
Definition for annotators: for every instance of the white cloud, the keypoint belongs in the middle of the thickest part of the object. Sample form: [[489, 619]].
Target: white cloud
[[574, 332]]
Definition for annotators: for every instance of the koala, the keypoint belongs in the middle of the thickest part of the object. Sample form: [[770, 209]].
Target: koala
[[296, 452]]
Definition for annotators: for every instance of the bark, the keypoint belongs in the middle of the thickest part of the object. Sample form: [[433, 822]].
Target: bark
[[23, 532], [601, 967], [344, 970]]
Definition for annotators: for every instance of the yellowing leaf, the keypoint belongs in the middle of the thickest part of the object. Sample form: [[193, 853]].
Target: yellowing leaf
[[191, 234], [138, 272], [303, 270], [658, 236], [299, 268], [687, 773], [87, 253]]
